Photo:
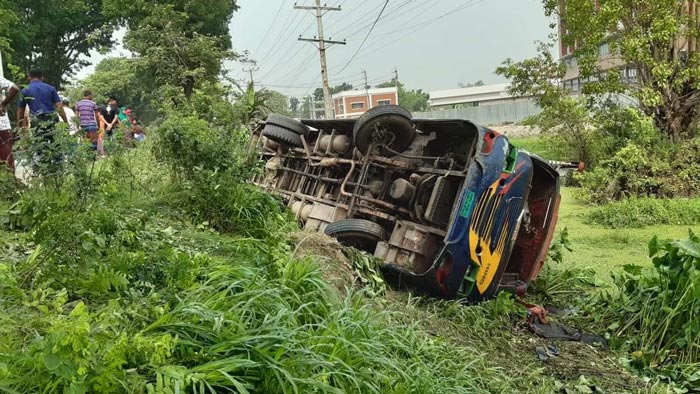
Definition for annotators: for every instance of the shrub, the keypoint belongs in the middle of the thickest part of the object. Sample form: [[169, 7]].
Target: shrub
[[211, 166], [663, 170], [639, 212], [189, 144], [655, 311]]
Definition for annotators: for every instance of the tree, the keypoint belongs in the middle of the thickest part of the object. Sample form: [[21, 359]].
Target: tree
[[471, 85], [318, 93], [53, 35], [253, 105], [113, 76], [564, 118], [294, 106], [277, 102], [180, 43], [412, 100], [657, 38]]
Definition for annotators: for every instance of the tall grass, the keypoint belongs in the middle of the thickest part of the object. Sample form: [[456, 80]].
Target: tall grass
[[655, 312], [122, 295], [640, 212]]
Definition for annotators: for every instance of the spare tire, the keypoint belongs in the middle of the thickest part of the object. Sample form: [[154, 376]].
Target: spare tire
[[282, 135], [288, 123], [390, 124], [357, 233]]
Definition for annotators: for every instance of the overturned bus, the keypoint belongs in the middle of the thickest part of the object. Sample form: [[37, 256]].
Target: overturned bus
[[451, 207]]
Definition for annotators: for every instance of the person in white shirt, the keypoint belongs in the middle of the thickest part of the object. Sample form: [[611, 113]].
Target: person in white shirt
[[8, 91], [70, 115]]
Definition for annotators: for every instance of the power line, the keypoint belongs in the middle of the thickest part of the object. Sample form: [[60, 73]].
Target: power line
[[390, 13], [363, 17], [412, 29], [283, 56], [282, 32], [271, 25], [366, 37]]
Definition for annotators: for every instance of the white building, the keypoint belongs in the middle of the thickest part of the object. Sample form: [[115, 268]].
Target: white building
[[472, 97]]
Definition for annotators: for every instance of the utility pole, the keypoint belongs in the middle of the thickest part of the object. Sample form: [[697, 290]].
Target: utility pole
[[369, 99], [320, 12], [312, 107], [250, 70], [396, 84]]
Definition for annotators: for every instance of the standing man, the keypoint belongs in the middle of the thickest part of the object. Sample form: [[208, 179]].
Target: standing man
[[8, 91], [110, 116], [44, 103], [89, 115]]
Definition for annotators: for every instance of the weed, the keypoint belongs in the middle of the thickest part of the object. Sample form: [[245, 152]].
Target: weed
[[654, 311], [640, 212]]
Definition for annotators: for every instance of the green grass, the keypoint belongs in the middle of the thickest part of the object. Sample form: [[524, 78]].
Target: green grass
[[604, 249]]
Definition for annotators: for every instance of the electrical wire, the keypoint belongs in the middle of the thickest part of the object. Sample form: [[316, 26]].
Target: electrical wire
[[366, 37], [414, 28], [390, 14], [278, 40], [279, 10], [283, 56]]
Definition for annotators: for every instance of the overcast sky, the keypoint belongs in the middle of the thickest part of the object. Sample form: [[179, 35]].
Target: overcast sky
[[434, 44]]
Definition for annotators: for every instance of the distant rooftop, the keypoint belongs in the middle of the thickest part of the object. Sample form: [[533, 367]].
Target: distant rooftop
[[470, 95], [361, 92]]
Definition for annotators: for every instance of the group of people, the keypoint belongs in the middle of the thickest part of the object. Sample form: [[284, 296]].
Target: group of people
[[41, 108], [97, 123]]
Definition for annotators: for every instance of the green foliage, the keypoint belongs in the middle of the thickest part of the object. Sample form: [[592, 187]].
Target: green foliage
[[655, 311], [190, 145], [659, 170], [114, 299], [119, 77], [564, 119], [412, 100], [212, 167], [648, 35], [367, 269], [53, 35], [251, 106], [559, 283], [180, 43], [540, 145], [343, 87], [640, 212]]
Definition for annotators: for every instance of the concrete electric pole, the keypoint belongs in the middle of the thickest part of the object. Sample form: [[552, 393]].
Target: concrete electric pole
[[396, 84], [369, 99], [251, 70], [320, 11]]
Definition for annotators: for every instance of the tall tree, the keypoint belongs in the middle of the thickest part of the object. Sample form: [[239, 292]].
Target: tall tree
[[412, 100], [53, 35], [294, 106], [659, 39], [277, 102], [343, 87], [470, 84], [120, 77], [180, 43]]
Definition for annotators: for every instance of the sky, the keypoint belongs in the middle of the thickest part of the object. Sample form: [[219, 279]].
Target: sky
[[434, 44]]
